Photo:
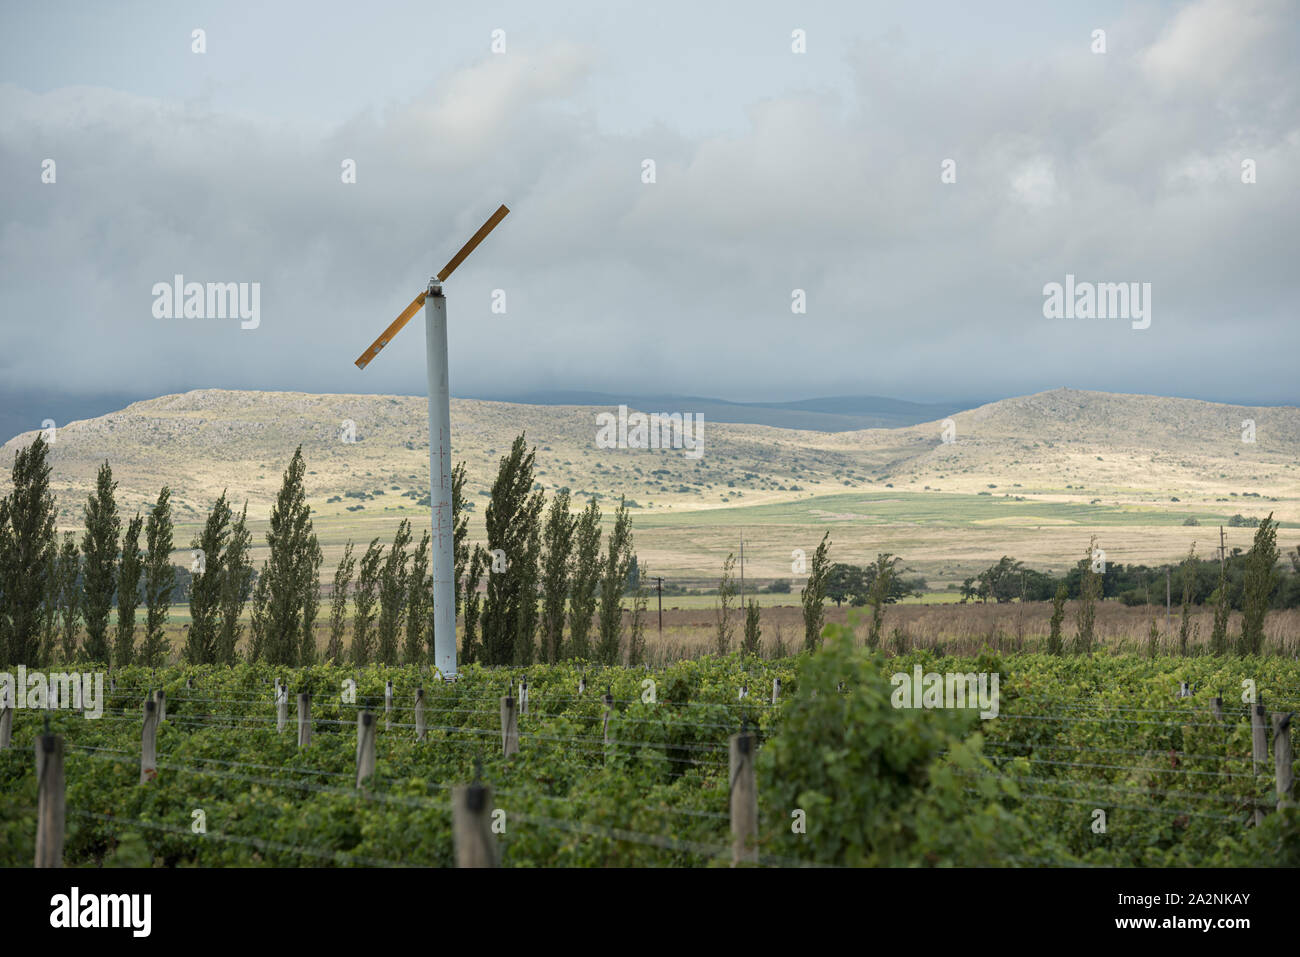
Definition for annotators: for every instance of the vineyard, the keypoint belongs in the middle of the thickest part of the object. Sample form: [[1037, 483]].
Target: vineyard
[[1091, 761]]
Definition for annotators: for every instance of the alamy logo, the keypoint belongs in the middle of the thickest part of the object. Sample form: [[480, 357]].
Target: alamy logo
[[951, 690], [214, 300], [133, 911], [33, 690], [1103, 300], [658, 430]]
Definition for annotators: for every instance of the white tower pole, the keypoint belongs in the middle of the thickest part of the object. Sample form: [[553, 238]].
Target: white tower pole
[[444, 559]]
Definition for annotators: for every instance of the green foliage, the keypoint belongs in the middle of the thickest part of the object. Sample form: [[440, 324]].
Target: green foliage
[[128, 592], [236, 581], [813, 595], [1260, 583], [205, 591], [393, 595], [1055, 645], [557, 540], [27, 545], [753, 640], [613, 584], [726, 595], [291, 570], [363, 619], [99, 546], [585, 580], [419, 604], [459, 536], [339, 604], [159, 580], [509, 618], [1089, 595]]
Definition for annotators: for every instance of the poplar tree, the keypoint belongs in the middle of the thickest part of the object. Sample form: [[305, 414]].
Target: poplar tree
[[585, 580], [556, 567], [613, 584], [1089, 594], [753, 641], [27, 539], [726, 595], [289, 567], [159, 580], [460, 531], [419, 604], [813, 595], [392, 595], [128, 592], [363, 620], [99, 546], [471, 647], [1257, 589], [339, 605], [201, 644], [1189, 582], [514, 541], [237, 576], [310, 558], [69, 589]]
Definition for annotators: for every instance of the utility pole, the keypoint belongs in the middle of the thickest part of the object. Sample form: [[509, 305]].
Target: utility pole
[[742, 573]]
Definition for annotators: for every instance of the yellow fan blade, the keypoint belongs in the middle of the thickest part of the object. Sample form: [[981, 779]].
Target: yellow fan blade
[[392, 330], [470, 246]]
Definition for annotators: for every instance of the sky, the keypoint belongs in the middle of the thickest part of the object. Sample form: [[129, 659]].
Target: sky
[[774, 171]]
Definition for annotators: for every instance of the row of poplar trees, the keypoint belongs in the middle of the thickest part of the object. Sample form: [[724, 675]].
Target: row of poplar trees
[[551, 592], [50, 588]]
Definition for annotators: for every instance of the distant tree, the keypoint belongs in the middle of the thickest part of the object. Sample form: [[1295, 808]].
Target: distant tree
[[363, 619], [1004, 581], [471, 646], [1055, 645], [613, 584], [585, 580], [1089, 594], [205, 592], [1153, 639], [70, 597], [419, 604], [128, 592], [636, 630], [813, 595], [257, 618], [289, 567], [236, 583], [722, 612], [308, 565], [460, 531], [1219, 630], [1189, 582], [27, 542], [557, 539], [509, 619], [884, 574], [99, 546], [1260, 583], [392, 595], [753, 640], [339, 605], [159, 580], [843, 581]]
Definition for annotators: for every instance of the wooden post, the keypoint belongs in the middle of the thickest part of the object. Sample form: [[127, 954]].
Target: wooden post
[[776, 689], [160, 697], [744, 801], [1184, 691], [744, 689], [420, 732], [1259, 747], [365, 746], [281, 705], [388, 705], [471, 822], [304, 719], [523, 696], [582, 684], [6, 719], [1282, 758], [51, 809], [509, 726], [1216, 708], [149, 743]]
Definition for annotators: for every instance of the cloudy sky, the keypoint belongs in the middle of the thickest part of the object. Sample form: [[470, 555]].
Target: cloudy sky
[[775, 170]]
